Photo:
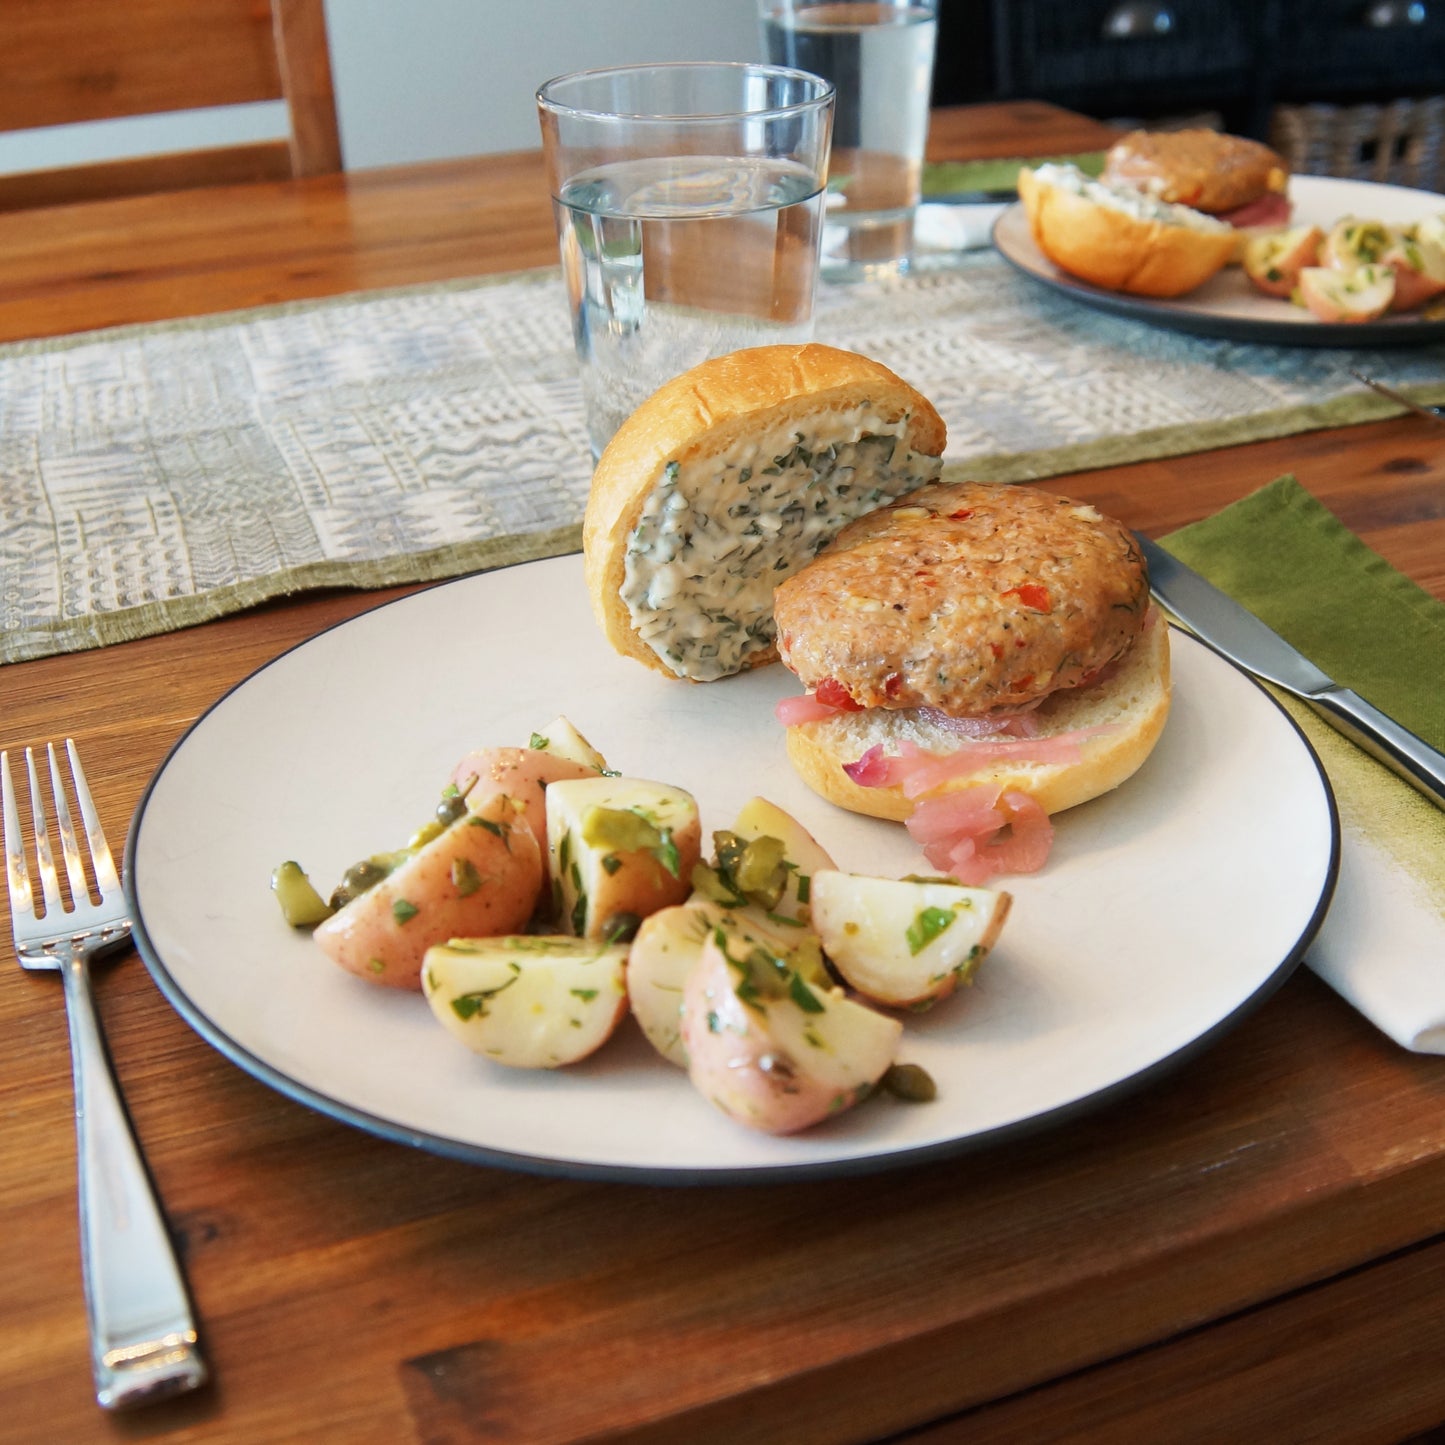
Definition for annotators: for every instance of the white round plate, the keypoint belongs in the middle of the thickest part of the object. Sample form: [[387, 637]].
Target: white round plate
[[1167, 909], [1227, 305]]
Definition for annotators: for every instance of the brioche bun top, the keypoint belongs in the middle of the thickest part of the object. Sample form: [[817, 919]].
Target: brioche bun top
[[730, 477]]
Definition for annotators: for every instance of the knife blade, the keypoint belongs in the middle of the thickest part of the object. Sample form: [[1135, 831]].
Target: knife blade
[[1217, 619], [1430, 413]]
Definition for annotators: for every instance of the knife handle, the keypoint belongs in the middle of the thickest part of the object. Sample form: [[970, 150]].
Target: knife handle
[[1422, 766]]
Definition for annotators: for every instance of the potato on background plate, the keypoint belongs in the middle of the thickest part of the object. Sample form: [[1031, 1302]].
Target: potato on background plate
[[1274, 260], [1363, 294]]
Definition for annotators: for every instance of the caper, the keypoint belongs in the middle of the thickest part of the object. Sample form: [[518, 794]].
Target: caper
[[451, 807], [910, 1082], [728, 848], [621, 927], [768, 973], [755, 868], [806, 960], [761, 871], [357, 879], [301, 905]]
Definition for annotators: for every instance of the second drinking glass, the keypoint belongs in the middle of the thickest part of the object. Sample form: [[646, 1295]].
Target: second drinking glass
[[879, 56]]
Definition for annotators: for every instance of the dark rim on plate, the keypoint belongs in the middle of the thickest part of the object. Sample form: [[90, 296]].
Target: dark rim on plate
[[447, 1147], [1013, 241]]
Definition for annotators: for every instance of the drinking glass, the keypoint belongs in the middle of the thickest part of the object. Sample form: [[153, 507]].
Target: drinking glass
[[879, 56], [689, 201]]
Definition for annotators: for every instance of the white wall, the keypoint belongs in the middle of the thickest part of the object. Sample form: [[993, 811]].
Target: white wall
[[432, 79]]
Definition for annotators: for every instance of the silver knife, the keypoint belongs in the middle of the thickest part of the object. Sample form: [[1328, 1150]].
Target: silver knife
[[1430, 413], [1219, 620]]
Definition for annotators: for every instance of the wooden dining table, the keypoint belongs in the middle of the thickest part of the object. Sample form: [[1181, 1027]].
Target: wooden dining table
[[1252, 1249]]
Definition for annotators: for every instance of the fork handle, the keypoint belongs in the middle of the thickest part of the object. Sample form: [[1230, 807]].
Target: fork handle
[[142, 1332]]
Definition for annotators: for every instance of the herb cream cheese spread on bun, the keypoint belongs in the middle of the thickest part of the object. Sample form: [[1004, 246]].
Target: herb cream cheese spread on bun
[[730, 478]]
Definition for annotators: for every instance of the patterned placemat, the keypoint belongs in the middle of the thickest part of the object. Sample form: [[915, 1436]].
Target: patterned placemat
[[157, 476]]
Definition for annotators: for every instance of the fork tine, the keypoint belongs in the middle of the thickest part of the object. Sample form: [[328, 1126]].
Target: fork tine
[[17, 874], [49, 884], [74, 867], [104, 865]]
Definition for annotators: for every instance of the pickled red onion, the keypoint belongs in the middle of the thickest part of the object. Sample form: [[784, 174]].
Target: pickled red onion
[[917, 772], [1020, 724], [791, 711], [976, 833]]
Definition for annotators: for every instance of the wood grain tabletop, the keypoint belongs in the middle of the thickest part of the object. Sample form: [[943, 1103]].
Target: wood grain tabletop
[[1251, 1249]]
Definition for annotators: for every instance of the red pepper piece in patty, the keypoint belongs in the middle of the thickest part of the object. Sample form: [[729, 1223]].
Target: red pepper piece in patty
[[834, 694], [1031, 594]]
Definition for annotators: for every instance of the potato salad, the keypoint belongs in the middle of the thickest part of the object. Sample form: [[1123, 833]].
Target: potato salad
[[549, 897], [1357, 271]]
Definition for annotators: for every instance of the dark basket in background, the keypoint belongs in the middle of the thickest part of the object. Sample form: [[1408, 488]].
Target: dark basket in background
[[1113, 57], [1399, 141], [1337, 85]]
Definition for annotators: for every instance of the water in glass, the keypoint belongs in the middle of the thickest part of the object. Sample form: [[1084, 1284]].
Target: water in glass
[[880, 59], [670, 260]]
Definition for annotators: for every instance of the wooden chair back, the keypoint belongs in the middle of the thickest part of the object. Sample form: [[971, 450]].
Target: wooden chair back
[[66, 61]]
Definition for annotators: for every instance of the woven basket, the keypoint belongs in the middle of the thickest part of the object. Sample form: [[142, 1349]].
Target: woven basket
[[1402, 141]]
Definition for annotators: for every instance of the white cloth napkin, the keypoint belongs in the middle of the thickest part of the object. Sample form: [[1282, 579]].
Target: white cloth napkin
[[1382, 944], [942, 231]]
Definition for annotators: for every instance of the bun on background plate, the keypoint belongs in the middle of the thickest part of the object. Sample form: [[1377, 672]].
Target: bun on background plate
[[1120, 238]]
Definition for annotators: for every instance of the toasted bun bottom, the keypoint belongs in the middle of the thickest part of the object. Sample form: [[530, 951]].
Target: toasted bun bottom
[[1133, 702], [1117, 251]]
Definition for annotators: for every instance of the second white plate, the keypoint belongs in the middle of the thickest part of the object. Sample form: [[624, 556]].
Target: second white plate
[[1228, 306]]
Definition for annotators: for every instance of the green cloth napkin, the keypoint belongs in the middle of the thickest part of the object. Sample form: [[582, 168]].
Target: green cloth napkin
[[946, 178], [1295, 565], [1301, 570]]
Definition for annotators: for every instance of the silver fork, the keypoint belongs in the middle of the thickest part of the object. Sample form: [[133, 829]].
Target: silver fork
[[142, 1334]]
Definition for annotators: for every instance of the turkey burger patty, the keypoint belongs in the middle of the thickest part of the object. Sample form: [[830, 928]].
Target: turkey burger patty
[[968, 598]]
